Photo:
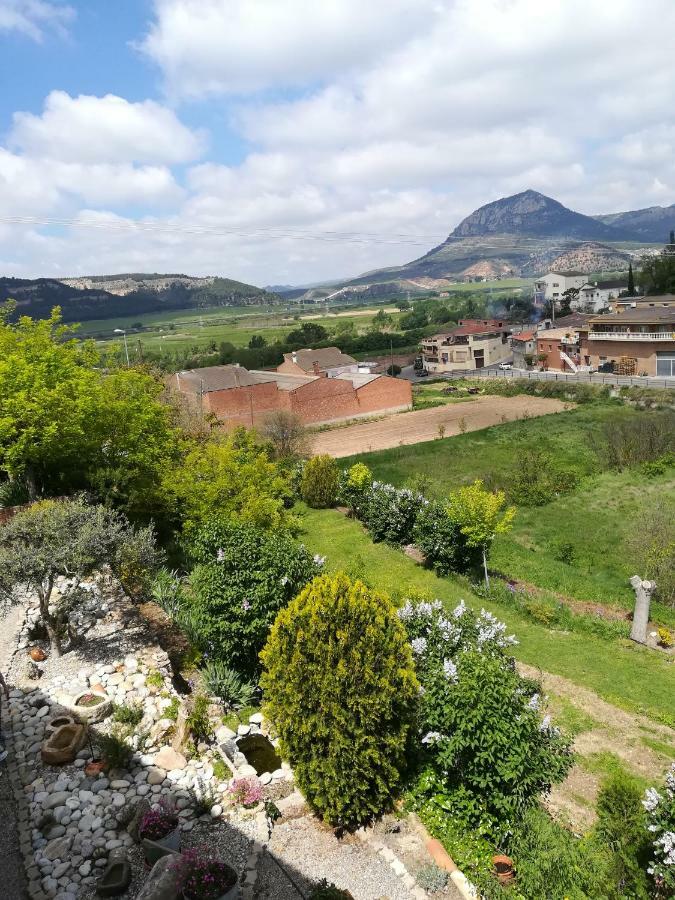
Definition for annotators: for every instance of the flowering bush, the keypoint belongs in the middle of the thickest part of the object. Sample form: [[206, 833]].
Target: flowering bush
[[661, 817], [319, 483], [201, 876], [390, 513], [247, 791], [159, 821], [242, 578], [489, 753]]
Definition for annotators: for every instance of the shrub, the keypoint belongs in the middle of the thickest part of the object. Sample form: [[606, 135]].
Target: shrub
[[319, 484], [665, 637], [355, 487], [564, 552], [341, 691], [390, 513], [115, 747], [661, 826], [226, 684], [622, 827], [489, 752], [242, 578], [431, 878], [326, 890], [644, 438], [201, 875], [198, 722], [128, 714], [441, 540], [247, 791], [538, 478]]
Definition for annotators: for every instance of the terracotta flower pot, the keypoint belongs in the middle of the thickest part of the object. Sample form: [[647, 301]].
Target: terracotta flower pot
[[94, 768], [503, 868], [37, 654]]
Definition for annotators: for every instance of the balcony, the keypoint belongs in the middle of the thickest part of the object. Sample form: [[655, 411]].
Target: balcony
[[631, 335]]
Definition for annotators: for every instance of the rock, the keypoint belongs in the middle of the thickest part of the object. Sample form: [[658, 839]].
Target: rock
[[266, 777], [58, 798], [278, 774], [161, 882], [224, 734], [156, 776], [243, 730], [119, 784], [170, 759], [247, 771], [216, 810], [256, 719], [139, 811], [57, 849]]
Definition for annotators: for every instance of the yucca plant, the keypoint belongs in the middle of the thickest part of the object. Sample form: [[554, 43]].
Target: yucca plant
[[228, 685], [167, 592]]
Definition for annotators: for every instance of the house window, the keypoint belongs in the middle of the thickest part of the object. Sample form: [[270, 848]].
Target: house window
[[665, 364]]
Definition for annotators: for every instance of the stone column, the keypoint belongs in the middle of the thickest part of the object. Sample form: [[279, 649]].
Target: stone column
[[643, 595]]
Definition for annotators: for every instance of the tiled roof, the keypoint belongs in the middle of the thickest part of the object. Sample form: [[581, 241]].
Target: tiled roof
[[214, 378], [525, 336], [661, 314], [326, 357]]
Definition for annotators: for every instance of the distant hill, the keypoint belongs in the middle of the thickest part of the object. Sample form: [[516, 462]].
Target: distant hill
[[651, 224], [111, 296], [524, 235]]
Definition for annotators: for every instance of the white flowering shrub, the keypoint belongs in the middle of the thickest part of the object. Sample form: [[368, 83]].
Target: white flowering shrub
[[661, 825], [486, 752], [390, 513]]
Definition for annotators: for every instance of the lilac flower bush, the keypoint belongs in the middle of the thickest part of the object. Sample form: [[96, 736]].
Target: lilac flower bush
[[661, 825], [486, 752]]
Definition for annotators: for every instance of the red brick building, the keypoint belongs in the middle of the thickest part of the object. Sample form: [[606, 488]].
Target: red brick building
[[326, 361], [238, 396]]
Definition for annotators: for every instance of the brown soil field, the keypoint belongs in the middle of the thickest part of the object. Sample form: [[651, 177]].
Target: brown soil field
[[428, 424]]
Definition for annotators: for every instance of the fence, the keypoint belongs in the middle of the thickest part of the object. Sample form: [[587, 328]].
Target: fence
[[579, 378]]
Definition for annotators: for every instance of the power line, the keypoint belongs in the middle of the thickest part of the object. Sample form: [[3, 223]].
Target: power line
[[280, 233]]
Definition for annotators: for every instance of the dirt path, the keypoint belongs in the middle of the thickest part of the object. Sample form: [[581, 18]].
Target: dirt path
[[424, 424], [614, 731]]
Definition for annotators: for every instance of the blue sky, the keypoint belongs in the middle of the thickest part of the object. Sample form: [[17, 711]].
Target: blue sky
[[285, 141]]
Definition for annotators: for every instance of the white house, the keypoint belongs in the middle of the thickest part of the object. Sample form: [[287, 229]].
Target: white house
[[596, 295], [553, 286]]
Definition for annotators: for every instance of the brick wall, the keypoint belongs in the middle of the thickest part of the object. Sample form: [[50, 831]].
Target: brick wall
[[316, 402], [644, 353], [550, 348]]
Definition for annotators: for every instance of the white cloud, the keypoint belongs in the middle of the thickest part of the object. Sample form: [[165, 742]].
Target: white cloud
[[33, 17], [239, 46], [108, 129]]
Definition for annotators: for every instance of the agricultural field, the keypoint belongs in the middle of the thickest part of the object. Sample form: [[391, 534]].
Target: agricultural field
[[185, 329]]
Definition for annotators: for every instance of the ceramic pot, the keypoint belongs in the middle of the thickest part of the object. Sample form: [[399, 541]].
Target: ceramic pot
[[156, 849], [503, 868], [95, 713], [94, 768]]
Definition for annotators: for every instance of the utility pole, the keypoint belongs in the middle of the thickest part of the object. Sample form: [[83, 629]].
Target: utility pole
[[126, 346]]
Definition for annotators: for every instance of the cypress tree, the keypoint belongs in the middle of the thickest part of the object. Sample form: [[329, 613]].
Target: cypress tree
[[631, 281]]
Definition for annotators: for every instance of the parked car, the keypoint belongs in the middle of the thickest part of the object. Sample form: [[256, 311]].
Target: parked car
[[505, 366]]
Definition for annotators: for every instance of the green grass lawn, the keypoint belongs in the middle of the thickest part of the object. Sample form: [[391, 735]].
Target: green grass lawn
[[619, 671], [596, 520]]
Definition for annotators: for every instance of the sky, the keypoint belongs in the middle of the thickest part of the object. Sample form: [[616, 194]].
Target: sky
[[294, 141]]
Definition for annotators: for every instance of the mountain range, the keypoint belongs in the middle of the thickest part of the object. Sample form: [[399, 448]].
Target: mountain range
[[110, 296], [523, 235]]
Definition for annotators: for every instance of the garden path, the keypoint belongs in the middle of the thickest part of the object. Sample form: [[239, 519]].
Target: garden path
[[13, 875], [644, 747]]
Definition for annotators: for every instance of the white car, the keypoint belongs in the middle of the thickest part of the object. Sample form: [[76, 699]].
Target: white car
[[505, 366]]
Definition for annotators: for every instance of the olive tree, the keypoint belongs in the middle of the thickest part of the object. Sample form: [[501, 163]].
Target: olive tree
[[68, 538]]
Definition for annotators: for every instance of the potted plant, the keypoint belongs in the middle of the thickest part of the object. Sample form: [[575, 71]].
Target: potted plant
[[90, 706], [202, 876], [159, 832]]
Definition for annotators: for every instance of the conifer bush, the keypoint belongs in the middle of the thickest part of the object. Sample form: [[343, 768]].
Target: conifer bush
[[341, 691], [319, 484]]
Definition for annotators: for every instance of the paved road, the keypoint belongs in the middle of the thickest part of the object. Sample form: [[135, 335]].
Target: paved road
[[494, 372]]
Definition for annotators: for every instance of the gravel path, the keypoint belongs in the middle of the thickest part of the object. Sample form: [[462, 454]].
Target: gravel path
[[310, 852], [13, 874], [423, 424]]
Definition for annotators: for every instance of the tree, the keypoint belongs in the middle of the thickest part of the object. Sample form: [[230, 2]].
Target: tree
[[67, 424], [568, 297], [287, 434], [631, 281], [382, 320], [68, 538], [242, 577], [257, 341], [393, 370], [231, 477], [481, 516], [320, 482], [341, 690], [309, 333], [651, 547], [657, 275]]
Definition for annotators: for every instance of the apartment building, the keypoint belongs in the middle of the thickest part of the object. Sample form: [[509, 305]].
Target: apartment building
[[638, 340], [475, 343]]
